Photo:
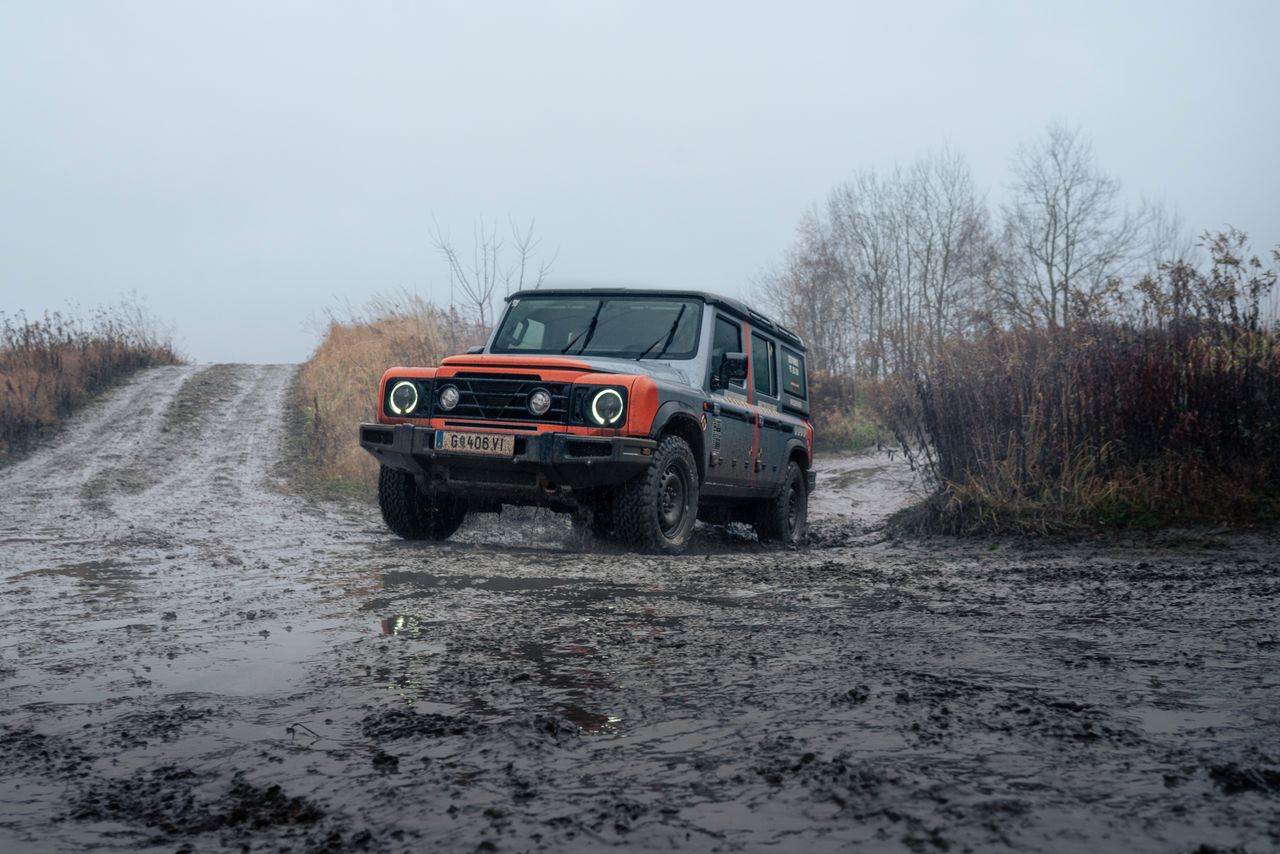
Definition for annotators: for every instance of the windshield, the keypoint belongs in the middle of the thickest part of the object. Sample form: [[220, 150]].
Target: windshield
[[626, 327]]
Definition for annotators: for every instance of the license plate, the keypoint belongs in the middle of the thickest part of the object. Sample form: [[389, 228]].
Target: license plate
[[485, 444]]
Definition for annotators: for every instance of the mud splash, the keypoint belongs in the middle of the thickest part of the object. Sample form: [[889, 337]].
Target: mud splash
[[192, 657]]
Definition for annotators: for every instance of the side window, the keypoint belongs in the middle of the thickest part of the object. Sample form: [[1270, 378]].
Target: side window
[[793, 382], [764, 365], [727, 339]]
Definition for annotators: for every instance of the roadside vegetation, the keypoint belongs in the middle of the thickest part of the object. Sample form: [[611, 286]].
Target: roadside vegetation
[[1112, 425], [1064, 362], [53, 365], [842, 414], [336, 388]]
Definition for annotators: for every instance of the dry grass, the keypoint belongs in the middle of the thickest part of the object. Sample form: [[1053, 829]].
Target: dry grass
[[1035, 431], [52, 366], [337, 387]]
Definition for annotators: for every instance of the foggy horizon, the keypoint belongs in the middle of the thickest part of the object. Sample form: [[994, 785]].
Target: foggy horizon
[[245, 168]]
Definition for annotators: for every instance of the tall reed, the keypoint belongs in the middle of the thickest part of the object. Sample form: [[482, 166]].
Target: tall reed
[[1035, 429], [337, 387], [51, 366]]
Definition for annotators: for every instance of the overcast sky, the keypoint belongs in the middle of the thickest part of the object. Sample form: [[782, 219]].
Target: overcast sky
[[243, 166]]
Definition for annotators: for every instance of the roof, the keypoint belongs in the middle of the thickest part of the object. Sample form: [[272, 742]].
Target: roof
[[737, 307]]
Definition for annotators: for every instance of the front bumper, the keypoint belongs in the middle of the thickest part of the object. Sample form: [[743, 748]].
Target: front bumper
[[545, 468]]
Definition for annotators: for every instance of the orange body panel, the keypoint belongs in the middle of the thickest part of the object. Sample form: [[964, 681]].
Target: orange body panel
[[642, 392]]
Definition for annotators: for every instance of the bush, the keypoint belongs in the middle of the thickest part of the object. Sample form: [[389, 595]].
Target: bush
[[1109, 424], [337, 387], [52, 366], [842, 418]]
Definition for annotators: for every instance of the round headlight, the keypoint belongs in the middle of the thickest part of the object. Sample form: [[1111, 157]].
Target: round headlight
[[539, 401], [449, 397], [606, 407], [404, 397]]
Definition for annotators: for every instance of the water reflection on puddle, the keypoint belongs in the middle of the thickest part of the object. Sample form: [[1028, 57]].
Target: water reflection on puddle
[[591, 722], [90, 573], [406, 625]]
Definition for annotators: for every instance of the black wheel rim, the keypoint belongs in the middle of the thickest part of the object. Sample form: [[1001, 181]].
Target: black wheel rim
[[673, 501], [795, 505]]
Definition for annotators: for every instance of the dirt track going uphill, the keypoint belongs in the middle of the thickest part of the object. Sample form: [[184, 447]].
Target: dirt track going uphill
[[192, 655]]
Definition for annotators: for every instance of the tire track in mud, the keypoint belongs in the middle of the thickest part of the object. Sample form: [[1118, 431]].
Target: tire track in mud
[[192, 657]]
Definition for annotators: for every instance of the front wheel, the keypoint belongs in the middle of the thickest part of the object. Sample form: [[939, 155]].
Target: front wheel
[[655, 511], [783, 519], [411, 513]]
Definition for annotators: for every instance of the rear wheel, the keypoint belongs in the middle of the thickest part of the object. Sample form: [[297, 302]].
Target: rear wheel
[[783, 519], [411, 513], [656, 510]]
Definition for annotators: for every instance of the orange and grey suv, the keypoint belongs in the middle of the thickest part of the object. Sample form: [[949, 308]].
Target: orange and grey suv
[[638, 411]]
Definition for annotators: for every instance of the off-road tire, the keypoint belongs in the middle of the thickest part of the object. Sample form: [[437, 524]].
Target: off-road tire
[[414, 515], [656, 510], [783, 519]]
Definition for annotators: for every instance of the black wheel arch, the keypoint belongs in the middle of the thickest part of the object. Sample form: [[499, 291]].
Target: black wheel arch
[[679, 418], [798, 451]]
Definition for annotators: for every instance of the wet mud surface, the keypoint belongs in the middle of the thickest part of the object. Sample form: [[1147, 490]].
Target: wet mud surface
[[192, 656]]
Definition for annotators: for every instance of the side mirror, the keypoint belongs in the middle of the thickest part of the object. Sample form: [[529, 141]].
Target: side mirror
[[479, 348], [733, 368]]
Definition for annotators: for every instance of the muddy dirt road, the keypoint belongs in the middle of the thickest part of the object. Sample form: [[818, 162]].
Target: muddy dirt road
[[192, 655]]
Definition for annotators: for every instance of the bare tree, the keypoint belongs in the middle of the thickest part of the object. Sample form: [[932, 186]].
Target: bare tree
[[492, 263], [1066, 237], [859, 212], [890, 267], [809, 295], [522, 272], [950, 239], [1167, 238]]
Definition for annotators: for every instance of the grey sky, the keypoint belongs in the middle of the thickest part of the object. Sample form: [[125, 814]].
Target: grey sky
[[245, 165]]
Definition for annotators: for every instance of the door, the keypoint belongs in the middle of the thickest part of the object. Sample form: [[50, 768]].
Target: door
[[731, 421], [773, 433]]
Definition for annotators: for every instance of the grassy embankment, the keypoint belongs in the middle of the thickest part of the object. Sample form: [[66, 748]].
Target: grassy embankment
[[1109, 425], [337, 387], [52, 366]]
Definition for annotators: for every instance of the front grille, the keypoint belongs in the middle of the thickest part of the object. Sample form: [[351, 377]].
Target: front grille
[[503, 397]]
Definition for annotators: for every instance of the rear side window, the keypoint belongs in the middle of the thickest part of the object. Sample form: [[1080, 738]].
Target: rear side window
[[793, 374], [727, 339], [764, 365]]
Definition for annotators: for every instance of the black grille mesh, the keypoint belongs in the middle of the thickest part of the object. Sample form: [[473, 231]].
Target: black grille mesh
[[502, 397]]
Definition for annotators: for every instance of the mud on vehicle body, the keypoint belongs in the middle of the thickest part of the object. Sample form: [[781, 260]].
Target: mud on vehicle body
[[637, 411]]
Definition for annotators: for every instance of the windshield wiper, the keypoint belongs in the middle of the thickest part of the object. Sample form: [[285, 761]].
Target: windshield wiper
[[589, 331], [666, 339]]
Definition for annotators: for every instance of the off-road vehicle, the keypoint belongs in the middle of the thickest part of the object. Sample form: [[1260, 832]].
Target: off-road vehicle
[[638, 411]]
